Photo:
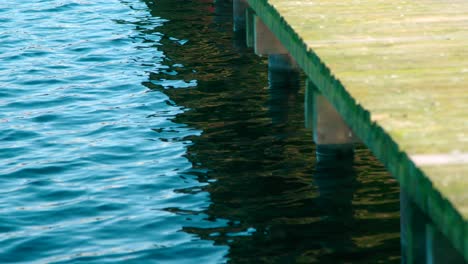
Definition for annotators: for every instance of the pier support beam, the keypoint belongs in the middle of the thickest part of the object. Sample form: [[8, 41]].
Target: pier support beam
[[284, 84], [266, 43], [283, 71], [331, 134], [282, 68], [421, 242]]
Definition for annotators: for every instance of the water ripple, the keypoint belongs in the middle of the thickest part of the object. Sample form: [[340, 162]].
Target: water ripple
[[90, 157]]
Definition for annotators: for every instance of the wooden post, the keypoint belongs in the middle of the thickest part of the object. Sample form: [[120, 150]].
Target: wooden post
[[328, 125], [284, 84], [266, 42]]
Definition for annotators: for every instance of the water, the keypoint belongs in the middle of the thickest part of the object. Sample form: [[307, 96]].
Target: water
[[143, 132]]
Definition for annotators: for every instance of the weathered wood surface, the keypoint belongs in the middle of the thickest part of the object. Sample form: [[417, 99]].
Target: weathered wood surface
[[398, 73]]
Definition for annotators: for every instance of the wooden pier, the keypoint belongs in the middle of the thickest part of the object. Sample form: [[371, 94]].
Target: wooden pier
[[397, 73]]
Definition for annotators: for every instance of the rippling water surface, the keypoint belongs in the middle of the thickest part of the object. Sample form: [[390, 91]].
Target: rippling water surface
[[143, 132]]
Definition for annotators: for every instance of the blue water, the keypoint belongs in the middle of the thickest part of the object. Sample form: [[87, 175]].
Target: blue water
[[138, 132], [84, 176]]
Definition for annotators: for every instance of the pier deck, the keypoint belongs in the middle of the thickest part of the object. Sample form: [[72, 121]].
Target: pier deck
[[397, 71]]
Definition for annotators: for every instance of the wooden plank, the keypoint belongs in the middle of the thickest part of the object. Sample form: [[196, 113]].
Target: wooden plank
[[397, 71]]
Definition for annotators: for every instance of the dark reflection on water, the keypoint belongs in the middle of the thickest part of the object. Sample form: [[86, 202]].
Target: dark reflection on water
[[282, 204]]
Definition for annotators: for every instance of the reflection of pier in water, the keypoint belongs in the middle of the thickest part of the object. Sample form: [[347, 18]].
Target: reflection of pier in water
[[282, 203]]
